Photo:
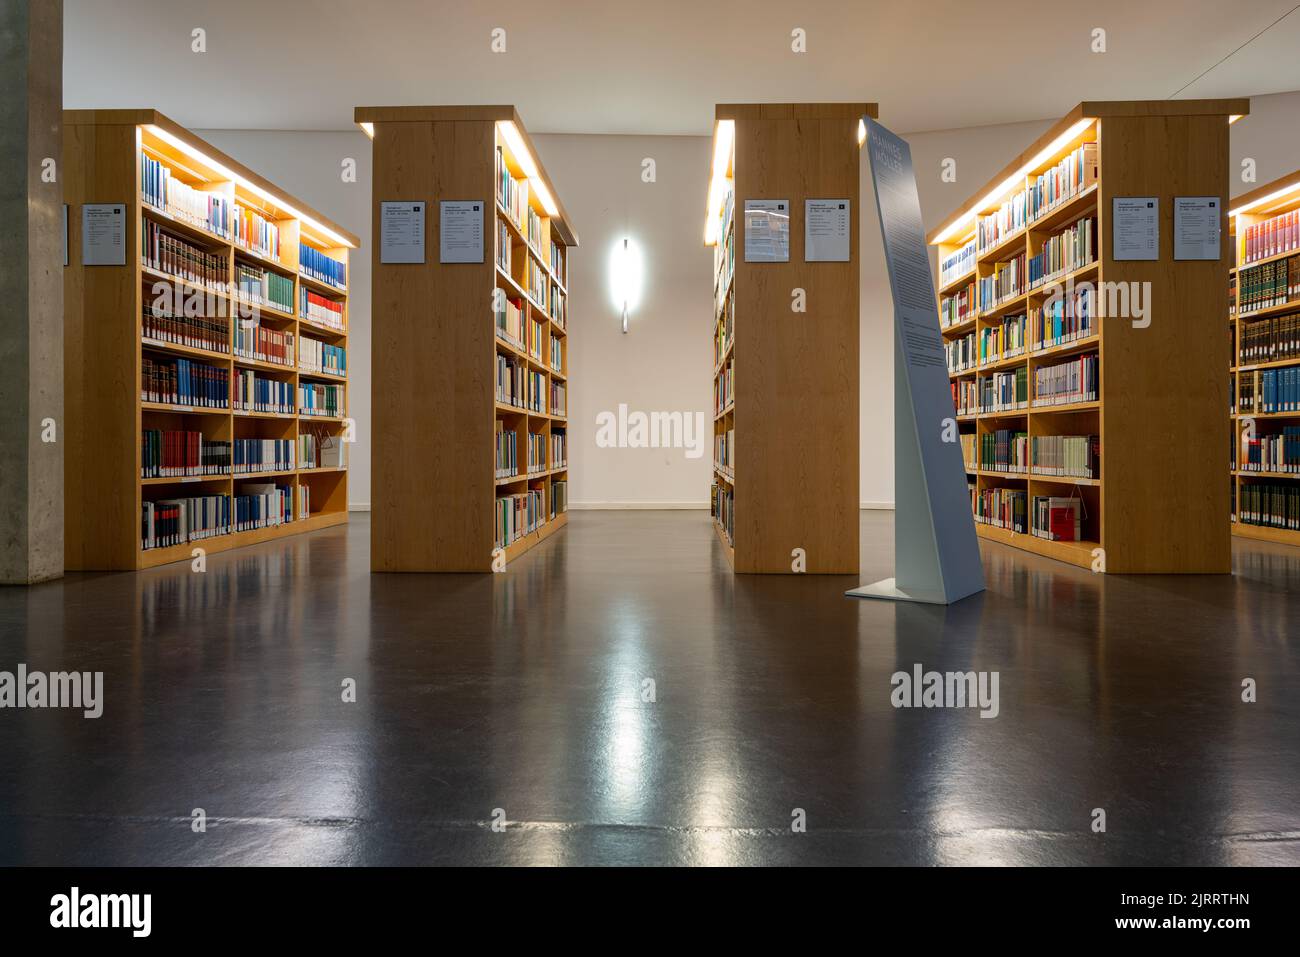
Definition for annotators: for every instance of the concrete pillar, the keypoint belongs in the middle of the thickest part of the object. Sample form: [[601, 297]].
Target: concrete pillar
[[31, 291]]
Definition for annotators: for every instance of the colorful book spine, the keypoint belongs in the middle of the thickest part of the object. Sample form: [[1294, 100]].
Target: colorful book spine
[[1073, 456], [1008, 220], [196, 332], [958, 264], [322, 399], [318, 266], [184, 382], [160, 189], [1068, 382], [1074, 174], [321, 357], [264, 344], [256, 233], [168, 253], [177, 521], [1272, 237], [319, 309], [258, 393], [166, 453]]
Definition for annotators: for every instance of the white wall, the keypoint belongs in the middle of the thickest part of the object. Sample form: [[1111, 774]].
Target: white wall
[[663, 364]]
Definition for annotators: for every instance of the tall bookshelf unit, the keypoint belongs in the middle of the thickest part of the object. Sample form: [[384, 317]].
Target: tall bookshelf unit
[[791, 482], [121, 321], [1155, 499], [474, 356], [1264, 328]]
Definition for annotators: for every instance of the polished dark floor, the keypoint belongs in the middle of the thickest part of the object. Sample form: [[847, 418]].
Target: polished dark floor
[[524, 692]]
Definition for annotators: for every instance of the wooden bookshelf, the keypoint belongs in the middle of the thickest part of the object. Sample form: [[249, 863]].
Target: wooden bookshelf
[[1157, 502], [436, 493], [793, 480], [1252, 358], [106, 346]]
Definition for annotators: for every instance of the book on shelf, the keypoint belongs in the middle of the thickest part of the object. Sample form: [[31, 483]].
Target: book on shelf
[[1005, 450], [176, 521], [968, 450], [536, 452], [1003, 341], [1006, 282], [1065, 383], [559, 497], [172, 453], [557, 263], [960, 306], [1270, 340], [262, 455], [316, 265], [557, 356], [256, 233], [1072, 248], [1274, 452], [195, 332], [535, 283], [512, 193], [510, 381], [321, 357], [256, 392], [724, 388], [958, 264], [1270, 505], [559, 309], [167, 252], [1269, 391], [1003, 508], [559, 404], [960, 353], [518, 515], [264, 344], [1007, 220], [1271, 237], [1270, 284], [262, 505], [304, 500], [184, 382], [965, 399], [264, 287], [506, 443], [1004, 391], [509, 318], [320, 309], [1075, 173], [504, 246], [319, 398], [559, 449], [724, 449], [535, 332], [1063, 319], [1058, 519], [159, 189], [535, 391], [723, 508], [1074, 456]]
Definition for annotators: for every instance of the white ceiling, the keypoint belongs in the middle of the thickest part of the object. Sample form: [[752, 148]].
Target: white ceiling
[[619, 66]]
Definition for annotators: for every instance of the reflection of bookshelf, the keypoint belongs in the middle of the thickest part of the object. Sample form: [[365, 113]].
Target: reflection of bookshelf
[[218, 348], [471, 466], [792, 480], [1264, 326], [1091, 438]]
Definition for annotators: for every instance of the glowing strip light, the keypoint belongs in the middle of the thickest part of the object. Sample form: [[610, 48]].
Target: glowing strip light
[[862, 132], [247, 184], [1235, 117], [1016, 178], [369, 129], [722, 140], [1266, 200], [525, 160]]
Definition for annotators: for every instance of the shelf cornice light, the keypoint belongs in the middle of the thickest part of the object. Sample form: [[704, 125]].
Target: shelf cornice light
[[1282, 193], [723, 137], [524, 158], [368, 129], [956, 227], [1235, 117], [246, 183]]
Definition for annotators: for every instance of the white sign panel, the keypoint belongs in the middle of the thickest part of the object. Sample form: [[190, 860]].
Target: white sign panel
[[1196, 227], [103, 234], [1135, 228], [401, 232], [461, 231], [767, 230], [826, 230]]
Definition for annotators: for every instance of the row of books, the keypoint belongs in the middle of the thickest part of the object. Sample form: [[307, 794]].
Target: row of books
[[722, 506], [1063, 319], [557, 355], [170, 254], [537, 452], [196, 332], [1270, 504], [1074, 380], [559, 497], [507, 451], [262, 455], [505, 245], [1057, 519], [205, 209], [264, 287], [256, 233], [724, 330], [510, 382], [1271, 284], [184, 382], [724, 388], [960, 353], [968, 451], [535, 283], [1073, 456], [264, 344], [955, 265], [508, 315], [559, 308], [317, 356], [965, 397], [534, 228], [170, 453], [1272, 237], [320, 398], [1003, 508], [559, 449], [1003, 341], [320, 309], [724, 253], [535, 338], [559, 402], [1004, 391], [1008, 219], [1265, 391], [266, 505], [1074, 174], [512, 193], [960, 306], [1072, 248], [724, 449], [176, 521], [259, 393], [518, 515], [1279, 452], [320, 450], [1005, 450], [1268, 340], [558, 263], [316, 265], [1006, 282]]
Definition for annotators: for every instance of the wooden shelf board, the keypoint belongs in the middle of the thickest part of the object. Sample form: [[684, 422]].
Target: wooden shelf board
[[1066, 348], [322, 287], [960, 328], [1073, 276], [185, 479], [262, 364], [960, 282], [316, 328], [1075, 553], [1291, 305], [1066, 407], [520, 545], [189, 230], [1067, 212], [1246, 473], [1264, 533], [328, 376], [178, 349], [187, 409], [727, 548], [1004, 245], [152, 557]]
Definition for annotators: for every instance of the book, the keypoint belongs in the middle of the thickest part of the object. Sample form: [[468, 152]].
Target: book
[[320, 309], [321, 357], [256, 233], [1268, 285], [1270, 340], [1074, 174], [205, 208], [196, 332], [176, 521], [1006, 221], [960, 353], [320, 398], [510, 387], [958, 264], [256, 392], [965, 397], [316, 265], [172, 453], [1075, 456], [1005, 450], [1003, 341], [722, 506], [559, 449], [1064, 383], [1072, 248], [536, 452], [1269, 391], [168, 253], [724, 449], [509, 319], [960, 306], [262, 455], [262, 505], [519, 515], [724, 388], [506, 444], [1063, 319], [512, 192], [184, 382], [557, 356], [1270, 504], [264, 287], [559, 497], [1002, 508], [1271, 237], [264, 344], [1005, 283], [559, 405], [1272, 452], [1004, 391]]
